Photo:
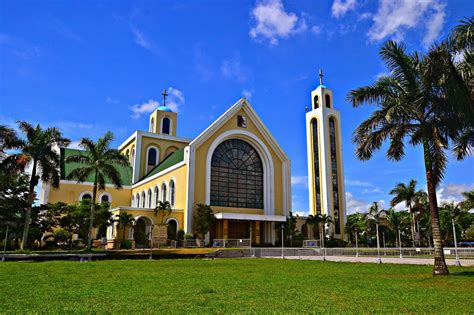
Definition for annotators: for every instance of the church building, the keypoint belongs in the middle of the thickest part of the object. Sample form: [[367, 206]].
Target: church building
[[236, 166]]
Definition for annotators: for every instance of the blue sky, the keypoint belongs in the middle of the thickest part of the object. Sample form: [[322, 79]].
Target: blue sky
[[88, 67]]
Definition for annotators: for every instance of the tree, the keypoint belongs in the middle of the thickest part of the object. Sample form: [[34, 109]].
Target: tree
[[355, 223], [290, 226], [410, 196], [163, 209], [203, 219], [394, 220], [124, 219], [424, 99], [376, 215], [39, 149], [99, 162], [468, 202], [314, 221]]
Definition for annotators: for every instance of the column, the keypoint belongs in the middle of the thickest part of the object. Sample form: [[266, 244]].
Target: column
[[257, 232], [225, 228]]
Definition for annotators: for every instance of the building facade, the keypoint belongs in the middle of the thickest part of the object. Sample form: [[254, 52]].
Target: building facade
[[235, 166], [325, 164]]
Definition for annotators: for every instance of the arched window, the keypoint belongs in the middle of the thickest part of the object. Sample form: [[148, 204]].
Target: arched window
[[133, 201], [236, 176], [127, 154], [163, 192], [165, 126], [149, 198], [316, 101], [86, 196], [317, 178], [334, 174], [152, 125], [157, 195], [105, 198], [172, 193], [137, 201], [152, 157], [328, 100], [143, 199], [133, 156]]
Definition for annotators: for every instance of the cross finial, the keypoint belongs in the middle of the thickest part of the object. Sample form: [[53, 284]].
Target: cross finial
[[321, 76], [165, 94]]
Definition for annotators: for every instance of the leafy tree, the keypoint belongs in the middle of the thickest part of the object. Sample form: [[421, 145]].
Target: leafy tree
[[290, 226], [124, 219], [355, 225], [314, 221], [394, 220], [376, 215], [468, 202], [38, 149], [163, 209], [410, 196], [425, 99], [203, 219], [100, 162]]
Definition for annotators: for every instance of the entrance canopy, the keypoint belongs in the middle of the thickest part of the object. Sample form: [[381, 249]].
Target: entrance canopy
[[250, 217]]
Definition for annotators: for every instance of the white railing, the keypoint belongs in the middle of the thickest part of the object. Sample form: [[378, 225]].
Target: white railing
[[234, 243]]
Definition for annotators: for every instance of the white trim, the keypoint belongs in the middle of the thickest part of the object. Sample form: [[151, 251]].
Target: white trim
[[128, 140], [149, 198], [171, 125], [44, 193], [73, 182], [123, 208], [156, 195], [157, 155], [250, 217], [267, 161], [151, 128], [137, 160], [143, 199], [164, 137], [169, 169], [105, 194], [189, 155], [81, 195], [164, 197]]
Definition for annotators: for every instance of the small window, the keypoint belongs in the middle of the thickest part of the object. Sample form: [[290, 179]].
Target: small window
[[172, 193], [133, 201], [149, 198], [328, 101], [137, 204], [152, 125], [86, 196], [143, 200], [152, 157], [163, 192], [157, 196], [316, 101], [165, 128], [105, 198], [132, 159]]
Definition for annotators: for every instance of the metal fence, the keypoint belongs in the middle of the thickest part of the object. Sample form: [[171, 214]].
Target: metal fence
[[464, 254], [234, 243]]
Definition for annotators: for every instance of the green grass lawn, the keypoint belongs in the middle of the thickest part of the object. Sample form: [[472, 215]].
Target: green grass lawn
[[231, 285]]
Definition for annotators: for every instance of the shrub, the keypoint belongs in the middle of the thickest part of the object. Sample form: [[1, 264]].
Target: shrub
[[180, 235], [126, 244]]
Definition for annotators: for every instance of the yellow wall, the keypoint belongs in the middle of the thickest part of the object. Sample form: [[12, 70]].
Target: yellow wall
[[201, 156], [130, 146], [165, 147], [69, 193]]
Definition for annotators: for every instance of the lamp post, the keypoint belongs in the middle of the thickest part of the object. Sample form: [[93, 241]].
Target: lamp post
[[5, 246], [384, 248], [457, 262], [379, 261], [357, 244], [399, 241], [151, 240], [282, 243]]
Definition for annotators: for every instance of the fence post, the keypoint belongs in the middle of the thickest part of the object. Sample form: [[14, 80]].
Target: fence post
[[457, 262]]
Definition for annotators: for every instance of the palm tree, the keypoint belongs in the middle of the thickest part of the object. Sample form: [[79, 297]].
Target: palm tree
[[394, 220], [468, 203], [410, 196], [39, 149], [124, 219], [376, 215], [164, 209], [425, 99], [100, 162], [314, 221]]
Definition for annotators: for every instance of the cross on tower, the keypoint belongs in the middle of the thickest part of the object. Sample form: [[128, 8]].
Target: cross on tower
[[321, 76], [165, 94]]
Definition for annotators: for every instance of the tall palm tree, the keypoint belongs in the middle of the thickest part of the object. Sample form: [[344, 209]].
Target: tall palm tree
[[394, 220], [38, 149], [410, 196], [424, 99], [100, 162], [124, 219], [163, 208], [376, 215]]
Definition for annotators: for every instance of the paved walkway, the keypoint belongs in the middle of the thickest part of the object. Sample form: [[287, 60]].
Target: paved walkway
[[388, 260]]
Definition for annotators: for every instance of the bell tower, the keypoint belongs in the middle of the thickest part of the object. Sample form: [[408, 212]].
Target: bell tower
[[325, 165], [163, 120]]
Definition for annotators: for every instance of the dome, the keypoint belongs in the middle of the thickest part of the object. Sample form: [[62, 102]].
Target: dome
[[322, 86], [165, 109]]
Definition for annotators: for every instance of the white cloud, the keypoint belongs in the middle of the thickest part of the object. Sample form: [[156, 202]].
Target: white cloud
[[140, 39], [247, 94], [316, 29], [273, 22], [232, 69], [354, 205], [110, 100], [452, 192], [174, 101], [341, 7], [299, 180], [75, 145], [144, 108], [365, 16], [394, 18]]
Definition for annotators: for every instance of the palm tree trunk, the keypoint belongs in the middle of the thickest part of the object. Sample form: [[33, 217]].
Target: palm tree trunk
[[31, 197], [91, 220], [440, 267]]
